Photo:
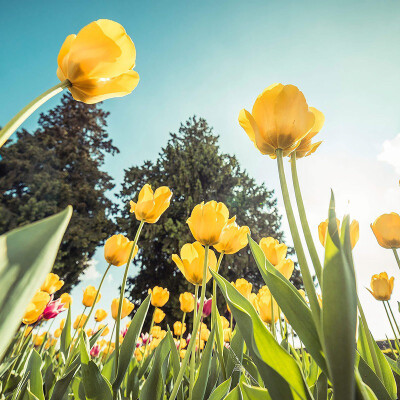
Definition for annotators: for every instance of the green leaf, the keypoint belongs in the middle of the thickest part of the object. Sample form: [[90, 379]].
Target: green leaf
[[65, 339], [235, 356], [254, 392], [27, 255], [221, 391], [280, 372], [235, 394], [339, 312], [108, 369], [35, 375], [291, 303], [129, 344], [174, 358], [96, 386]]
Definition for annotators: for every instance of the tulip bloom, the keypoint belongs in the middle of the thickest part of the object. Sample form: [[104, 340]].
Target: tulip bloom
[[354, 231], [117, 249], [178, 331], [158, 315], [80, 321], [187, 302], [206, 307], [100, 315], [207, 222], [243, 287], [127, 308], [150, 206], [306, 147], [286, 268], [233, 238], [191, 262], [159, 296], [274, 251], [36, 307], [264, 300], [98, 62], [386, 229], [280, 119], [95, 351], [52, 309], [89, 295], [155, 331], [66, 299], [51, 284], [57, 333], [382, 286], [106, 329]]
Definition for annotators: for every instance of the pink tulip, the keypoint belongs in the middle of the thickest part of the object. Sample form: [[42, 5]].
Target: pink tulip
[[206, 307], [146, 338], [123, 332], [52, 309], [95, 351]]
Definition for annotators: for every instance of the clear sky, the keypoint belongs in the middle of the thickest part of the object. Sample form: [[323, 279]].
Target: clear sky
[[212, 59]]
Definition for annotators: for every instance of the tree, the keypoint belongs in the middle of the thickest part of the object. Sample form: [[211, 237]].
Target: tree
[[59, 164], [196, 170]]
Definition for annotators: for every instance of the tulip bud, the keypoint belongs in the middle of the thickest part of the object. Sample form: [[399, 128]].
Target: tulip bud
[[187, 302], [386, 229]]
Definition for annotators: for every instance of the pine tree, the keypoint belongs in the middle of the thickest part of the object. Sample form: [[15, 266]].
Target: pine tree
[[56, 165], [196, 170]]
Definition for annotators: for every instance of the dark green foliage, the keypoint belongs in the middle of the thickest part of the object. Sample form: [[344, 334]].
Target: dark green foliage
[[196, 170], [57, 165]]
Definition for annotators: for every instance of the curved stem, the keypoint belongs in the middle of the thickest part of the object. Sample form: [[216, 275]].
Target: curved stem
[[96, 297], [19, 118], [180, 336], [305, 272], [195, 328], [396, 256], [193, 338], [121, 296], [303, 219], [391, 324], [109, 343], [394, 319]]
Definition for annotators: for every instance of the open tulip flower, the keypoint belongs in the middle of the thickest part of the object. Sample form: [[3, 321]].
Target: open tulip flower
[[243, 287], [159, 296], [53, 308], [186, 301], [150, 206], [233, 238], [382, 286], [117, 250], [66, 299], [206, 307], [89, 296], [52, 284], [274, 251], [386, 229], [191, 262], [354, 231], [98, 62], [127, 308], [36, 307], [100, 315], [158, 315]]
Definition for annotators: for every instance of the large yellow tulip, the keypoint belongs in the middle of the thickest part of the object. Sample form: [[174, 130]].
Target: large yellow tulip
[[274, 251], [89, 295], [233, 238], [159, 296], [243, 287], [127, 308], [66, 299], [382, 286], [117, 249], [36, 307], [52, 283], [100, 315], [386, 229], [187, 302]]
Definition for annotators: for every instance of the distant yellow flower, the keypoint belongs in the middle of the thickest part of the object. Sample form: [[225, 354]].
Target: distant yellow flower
[[98, 62], [51, 284], [274, 251], [155, 331], [117, 249], [150, 206], [280, 119], [57, 333], [62, 323], [243, 287], [89, 295], [264, 307], [138, 354], [306, 147], [106, 329], [100, 315], [36, 307], [182, 353], [187, 302], [207, 222], [354, 231], [191, 262], [127, 308], [227, 334], [204, 333], [386, 229], [158, 315], [66, 299], [382, 286], [178, 328], [225, 322], [80, 321], [159, 296], [233, 238], [89, 332], [38, 339]]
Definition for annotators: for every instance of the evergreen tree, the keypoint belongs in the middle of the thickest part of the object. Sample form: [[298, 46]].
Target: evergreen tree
[[194, 168], [59, 164]]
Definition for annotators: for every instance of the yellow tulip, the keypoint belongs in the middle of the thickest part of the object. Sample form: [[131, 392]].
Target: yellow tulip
[[38, 339], [264, 307], [100, 315], [89, 295], [66, 299], [155, 331], [382, 286], [127, 308], [106, 329], [286, 268], [27, 331], [233, 238], [62, 323], [80, 321], [183, 343], [280, 119], [187, 302], [274, 251], [158, 315], [138, 353], [227, 334], [204, 333], [191, 262], [354, 231], [150, 206], [207, 222], [178, 328], [159, 296], [117, 249], [57, 333], [89, 332], [51, 284], [386, 229], [243, 287], [98, 62], [306, 147], [182, 353], [36, 307]]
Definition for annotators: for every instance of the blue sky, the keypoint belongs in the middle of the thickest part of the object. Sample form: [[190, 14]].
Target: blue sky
[[212, 59]]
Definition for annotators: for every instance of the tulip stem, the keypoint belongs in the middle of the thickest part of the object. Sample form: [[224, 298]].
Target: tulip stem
[[305, 272], [180, 336], [391, 324], [396, 256], [121, 297], [193, 338], [19, 118], [194, 332], [109, 343], [394, 319], [273, 330], [304, 222], [96, 297], [76, 330]]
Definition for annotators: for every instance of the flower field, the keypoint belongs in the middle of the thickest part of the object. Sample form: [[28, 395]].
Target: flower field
[[276, 342]]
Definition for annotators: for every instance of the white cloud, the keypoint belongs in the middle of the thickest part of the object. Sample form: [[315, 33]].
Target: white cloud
[[391, 153], [110, 278], [91, 272]]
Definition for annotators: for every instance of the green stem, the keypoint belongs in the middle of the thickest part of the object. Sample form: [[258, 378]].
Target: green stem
[[396, 256], [180, 336], [394, 319], [391, 324], [109, 343], [195, 328], [121, 296], [273, 330], [77, 328], [193, 338], [303, 219], [19, 118], [305, 272]]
